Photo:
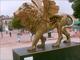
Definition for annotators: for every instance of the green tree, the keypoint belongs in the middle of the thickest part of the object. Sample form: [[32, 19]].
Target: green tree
[[76, 8], [16, 24]]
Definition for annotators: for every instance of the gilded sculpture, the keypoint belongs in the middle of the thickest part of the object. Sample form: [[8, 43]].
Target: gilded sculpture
[[40, 21]]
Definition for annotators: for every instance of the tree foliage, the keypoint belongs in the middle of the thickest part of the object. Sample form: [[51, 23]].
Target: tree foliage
[[76, 8], [16, 23]]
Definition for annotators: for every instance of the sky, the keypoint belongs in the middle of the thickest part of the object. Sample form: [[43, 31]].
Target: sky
[[8, 7]]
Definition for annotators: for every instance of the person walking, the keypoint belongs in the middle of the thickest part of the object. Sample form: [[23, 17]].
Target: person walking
[[18, 37]]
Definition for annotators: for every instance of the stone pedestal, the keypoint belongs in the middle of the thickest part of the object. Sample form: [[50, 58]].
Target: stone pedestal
[[64, 52]]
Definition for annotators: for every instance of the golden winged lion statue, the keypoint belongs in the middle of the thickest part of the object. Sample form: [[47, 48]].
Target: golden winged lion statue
[[41, 17]]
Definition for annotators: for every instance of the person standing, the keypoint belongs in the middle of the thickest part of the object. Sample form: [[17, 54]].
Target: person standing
[[10, 33]]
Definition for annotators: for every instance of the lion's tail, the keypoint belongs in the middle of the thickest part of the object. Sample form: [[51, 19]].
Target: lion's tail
[[70, 20]]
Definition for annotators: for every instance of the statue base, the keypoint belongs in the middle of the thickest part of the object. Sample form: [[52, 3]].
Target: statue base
[[64, 52]]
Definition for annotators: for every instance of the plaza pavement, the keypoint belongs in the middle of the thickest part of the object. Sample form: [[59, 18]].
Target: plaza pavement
[[8, 43]]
